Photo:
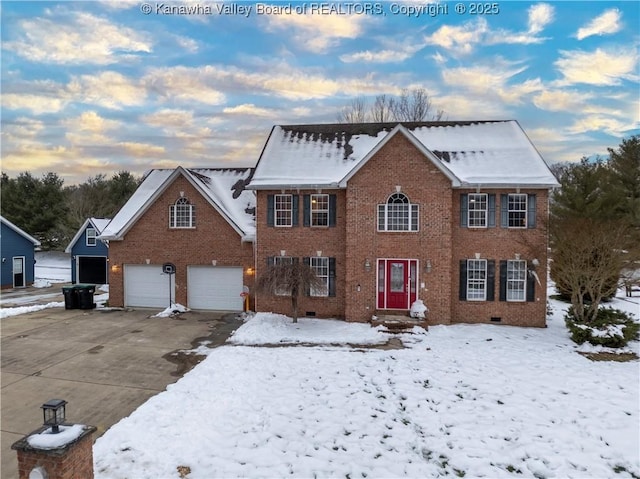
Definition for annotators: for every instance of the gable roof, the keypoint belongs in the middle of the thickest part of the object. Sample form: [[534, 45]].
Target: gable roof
[[98, 223], [22, 233], [469, 153], [223, 188]]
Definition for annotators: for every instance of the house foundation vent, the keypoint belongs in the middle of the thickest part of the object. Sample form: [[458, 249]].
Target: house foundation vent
[[311, 314], [495, 319]]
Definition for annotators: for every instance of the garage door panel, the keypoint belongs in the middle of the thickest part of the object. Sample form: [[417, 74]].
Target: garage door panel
[[214, 288], [146, 286]]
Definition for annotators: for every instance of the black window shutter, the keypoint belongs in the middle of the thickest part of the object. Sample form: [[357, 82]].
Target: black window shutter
[[531, 287], [503, 280], [491, 280], [492, 211], [294, 210], [332, 210], [504, 211], [531, 211], [464, 205], [463, 280], [306, 210], [270, 210], [270, 261], [332, 276], [307, 261]]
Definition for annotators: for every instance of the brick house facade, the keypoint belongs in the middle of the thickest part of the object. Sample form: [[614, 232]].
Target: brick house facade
[[142, 238], [408, 221]]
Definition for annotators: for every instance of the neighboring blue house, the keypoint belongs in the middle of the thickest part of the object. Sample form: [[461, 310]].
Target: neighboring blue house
[[89, 255], [18, 255]]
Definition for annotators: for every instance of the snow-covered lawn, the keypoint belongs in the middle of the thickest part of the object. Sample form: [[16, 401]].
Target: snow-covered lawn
[[472, 400]]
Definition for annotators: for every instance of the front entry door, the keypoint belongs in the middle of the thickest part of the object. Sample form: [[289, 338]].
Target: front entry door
[[18, 272], [397, 284]]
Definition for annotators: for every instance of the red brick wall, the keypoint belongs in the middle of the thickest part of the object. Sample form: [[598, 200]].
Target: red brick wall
[[501, 244], [77, 463], [440, 241], [399, 163], [151, 238], [300, 241]]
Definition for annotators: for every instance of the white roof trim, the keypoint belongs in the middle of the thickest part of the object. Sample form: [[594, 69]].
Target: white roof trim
[[20, 231], [455, 181]]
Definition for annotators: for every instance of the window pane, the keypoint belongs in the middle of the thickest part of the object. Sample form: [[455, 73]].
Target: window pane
[[182, 214], [517, 210], [319, 210], [283, 205], [397, 278], [321, 267], [516, 280], [477, 208], [476, 279]]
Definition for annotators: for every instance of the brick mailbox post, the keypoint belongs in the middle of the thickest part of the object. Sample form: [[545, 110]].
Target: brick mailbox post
[[57, 450]]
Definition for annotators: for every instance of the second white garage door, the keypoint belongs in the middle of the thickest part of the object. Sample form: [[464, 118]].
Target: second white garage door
[[214, 288], [146, 286]]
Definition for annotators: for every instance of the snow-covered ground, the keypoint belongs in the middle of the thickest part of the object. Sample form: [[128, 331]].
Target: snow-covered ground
[[472, 400], [53, 268]]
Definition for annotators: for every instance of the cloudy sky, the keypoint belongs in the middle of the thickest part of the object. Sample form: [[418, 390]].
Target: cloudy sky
[[94, 87]]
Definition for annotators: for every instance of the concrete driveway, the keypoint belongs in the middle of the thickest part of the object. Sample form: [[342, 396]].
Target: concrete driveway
[[104, 363]]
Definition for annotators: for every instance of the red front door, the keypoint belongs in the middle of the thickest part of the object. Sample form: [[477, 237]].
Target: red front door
[[397, 286]]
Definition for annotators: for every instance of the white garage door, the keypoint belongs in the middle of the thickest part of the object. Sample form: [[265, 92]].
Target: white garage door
[[146, 286], [215, 288]]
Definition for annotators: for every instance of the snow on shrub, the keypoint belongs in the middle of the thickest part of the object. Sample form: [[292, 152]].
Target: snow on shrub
[[612, 328]]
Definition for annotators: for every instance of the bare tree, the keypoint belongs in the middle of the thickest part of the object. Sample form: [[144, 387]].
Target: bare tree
[[290, 278], [411, 105], [585, 259], [356, 112], [382, 109]]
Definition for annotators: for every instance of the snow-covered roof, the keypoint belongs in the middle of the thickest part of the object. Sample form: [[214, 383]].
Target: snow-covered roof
[[19, 231], [469, 153], [98, 223], [223, 188]]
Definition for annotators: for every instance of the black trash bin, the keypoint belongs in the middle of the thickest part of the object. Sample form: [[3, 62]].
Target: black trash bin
[[70, 297], [85, 295]]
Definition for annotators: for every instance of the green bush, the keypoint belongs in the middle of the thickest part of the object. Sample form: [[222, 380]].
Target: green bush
[[603, 331]]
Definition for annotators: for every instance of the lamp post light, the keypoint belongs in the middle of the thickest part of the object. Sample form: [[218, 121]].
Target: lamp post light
[[54, 414]]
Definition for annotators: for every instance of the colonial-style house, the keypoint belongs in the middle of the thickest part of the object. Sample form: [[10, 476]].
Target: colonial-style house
[[451, 213], [89, 255], [18, 255], [185, 236]]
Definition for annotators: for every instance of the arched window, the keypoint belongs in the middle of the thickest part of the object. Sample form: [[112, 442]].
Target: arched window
[[182, 214], [398, 214]]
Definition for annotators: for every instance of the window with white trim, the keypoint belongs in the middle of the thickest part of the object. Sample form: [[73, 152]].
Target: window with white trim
[[398, 214], [281, 260], [517, 210], [91, 236], [477, 208], [320, 266], [182, 214], [516, 280], [476, 280], [283, 208], [319, 210]]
